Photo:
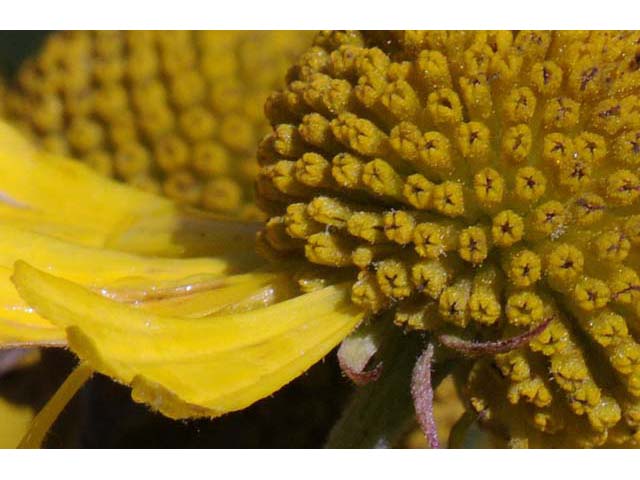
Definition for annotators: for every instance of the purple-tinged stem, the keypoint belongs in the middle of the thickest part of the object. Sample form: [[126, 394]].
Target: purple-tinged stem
[[474, 349], [422, 393]]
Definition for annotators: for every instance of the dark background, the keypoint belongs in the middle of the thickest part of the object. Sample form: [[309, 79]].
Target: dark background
[[15, 45]]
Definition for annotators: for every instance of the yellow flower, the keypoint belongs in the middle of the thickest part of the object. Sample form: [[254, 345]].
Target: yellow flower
[[61, 217], [483, 181], [243, 68], [175, 112], [480, 187]]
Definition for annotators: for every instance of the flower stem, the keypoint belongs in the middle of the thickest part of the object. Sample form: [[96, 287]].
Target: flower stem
[[380, 413], [422, 394], [45, 419]]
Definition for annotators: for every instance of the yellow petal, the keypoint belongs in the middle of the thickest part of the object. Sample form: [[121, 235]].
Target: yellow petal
[[66, 199], [123, 276], [240, 293], [19, 324], [101, 267], [38, 186], [194, 367], [186, 233]]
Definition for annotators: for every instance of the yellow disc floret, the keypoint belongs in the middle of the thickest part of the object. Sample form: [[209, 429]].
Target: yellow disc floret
[[478, 185], [177, 109]]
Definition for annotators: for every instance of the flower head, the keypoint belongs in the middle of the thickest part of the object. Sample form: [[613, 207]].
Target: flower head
[[477, 184], [480, 188], [174, 112]]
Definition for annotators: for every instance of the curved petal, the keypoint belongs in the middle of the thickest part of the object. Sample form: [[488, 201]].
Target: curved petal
[[194, 367], [66, 199], [122, 276]]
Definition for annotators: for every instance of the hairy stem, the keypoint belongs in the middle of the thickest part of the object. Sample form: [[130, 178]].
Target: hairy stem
[[379, 413], [422, 393], [473, 349]]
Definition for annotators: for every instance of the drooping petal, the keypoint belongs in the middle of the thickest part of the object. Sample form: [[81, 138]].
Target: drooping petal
[[20, 326], [193, 367], [66, 199], [120, 275], [238, 293], [103, 267]]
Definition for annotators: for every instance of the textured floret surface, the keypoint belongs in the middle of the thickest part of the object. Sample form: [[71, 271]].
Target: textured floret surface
[[176, 112], [477, 184]]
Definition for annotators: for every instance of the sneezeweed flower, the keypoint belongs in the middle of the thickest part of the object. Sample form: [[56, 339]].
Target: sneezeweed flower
[[482, 186], [59, 215], [44, 196], [249, 65], [477, 188], [174, 112]]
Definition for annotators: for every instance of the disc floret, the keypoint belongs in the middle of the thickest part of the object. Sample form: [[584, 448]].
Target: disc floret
[[482, 185]]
